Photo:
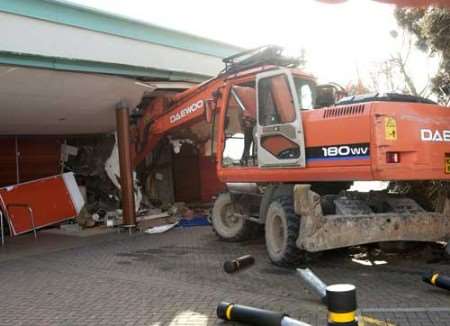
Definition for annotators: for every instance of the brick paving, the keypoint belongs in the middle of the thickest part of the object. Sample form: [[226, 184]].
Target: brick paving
[[176, 278]]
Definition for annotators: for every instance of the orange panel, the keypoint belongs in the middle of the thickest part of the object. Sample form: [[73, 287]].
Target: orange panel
[[248, 97], [283, 99], [275, 144], [49, 198], [209, 182]]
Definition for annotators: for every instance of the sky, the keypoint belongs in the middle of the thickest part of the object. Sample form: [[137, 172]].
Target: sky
[[341, 41]]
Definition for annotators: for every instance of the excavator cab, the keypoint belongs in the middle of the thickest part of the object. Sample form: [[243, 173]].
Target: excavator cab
[[280, 99], [265, 117]]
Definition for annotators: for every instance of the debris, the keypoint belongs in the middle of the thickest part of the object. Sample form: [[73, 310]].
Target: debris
[[436, 279], [84, 219], [113, 218], [178, 209], [70, 227], [128, 227], [369, 321], [195, 221], [235, 265], [254, 316], [177, 143], [89, 169], [152, 217], [66, 151], [39, 203], [112, 169], [153, 220], [314, 283], [160, 228]]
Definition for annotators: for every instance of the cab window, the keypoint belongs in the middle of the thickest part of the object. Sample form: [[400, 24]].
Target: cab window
[[276, 105], [305, 93]]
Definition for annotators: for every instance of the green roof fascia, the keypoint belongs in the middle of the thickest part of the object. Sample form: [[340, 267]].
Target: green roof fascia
[[66, 13], [86, 66]]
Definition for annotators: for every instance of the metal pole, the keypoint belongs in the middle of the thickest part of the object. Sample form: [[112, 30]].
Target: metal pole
[[30, 214], [126, 176], [314, 283]]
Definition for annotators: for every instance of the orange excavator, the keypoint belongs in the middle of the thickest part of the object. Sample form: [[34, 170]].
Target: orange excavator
[[289, 149]]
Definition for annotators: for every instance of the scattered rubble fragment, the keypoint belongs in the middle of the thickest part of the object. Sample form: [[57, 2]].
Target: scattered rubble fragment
[[94, 161], [160, 228], [112, 169], [149, 221]]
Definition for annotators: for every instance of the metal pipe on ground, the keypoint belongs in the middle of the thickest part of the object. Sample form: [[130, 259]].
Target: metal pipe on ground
[[314, 283], [238, 264]]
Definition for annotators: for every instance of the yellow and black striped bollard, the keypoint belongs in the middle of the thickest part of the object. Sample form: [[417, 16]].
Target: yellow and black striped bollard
[[341, 302], [436, 279]]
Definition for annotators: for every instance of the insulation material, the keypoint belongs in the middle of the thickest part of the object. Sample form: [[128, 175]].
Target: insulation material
[[112, 168], [52, 200]]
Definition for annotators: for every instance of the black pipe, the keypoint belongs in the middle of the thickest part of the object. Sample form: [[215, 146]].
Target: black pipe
[[436, 279], [231, 266]]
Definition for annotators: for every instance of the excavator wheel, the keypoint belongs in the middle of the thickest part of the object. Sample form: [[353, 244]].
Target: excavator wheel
[[227, 223], [281, 232]]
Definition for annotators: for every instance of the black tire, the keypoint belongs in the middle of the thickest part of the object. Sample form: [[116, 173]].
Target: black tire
[[230, 228], [282, 227]]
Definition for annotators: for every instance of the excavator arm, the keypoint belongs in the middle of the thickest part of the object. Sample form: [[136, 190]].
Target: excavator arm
[[165, 114]]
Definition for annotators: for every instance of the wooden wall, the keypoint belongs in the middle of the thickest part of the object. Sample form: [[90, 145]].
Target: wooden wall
[[39, 157]]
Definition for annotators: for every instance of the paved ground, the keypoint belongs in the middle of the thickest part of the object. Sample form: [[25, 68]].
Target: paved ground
[[177, 279]]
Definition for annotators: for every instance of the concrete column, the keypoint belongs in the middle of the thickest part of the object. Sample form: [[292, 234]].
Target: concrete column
[[126, 176]]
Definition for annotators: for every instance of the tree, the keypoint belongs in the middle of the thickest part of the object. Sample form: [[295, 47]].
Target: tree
[[431, 26], [395, 74]]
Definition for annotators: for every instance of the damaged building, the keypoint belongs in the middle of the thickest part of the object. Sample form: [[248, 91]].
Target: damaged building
[[60, 103]]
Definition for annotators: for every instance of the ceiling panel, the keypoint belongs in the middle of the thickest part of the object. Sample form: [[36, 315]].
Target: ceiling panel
[[39, 101]]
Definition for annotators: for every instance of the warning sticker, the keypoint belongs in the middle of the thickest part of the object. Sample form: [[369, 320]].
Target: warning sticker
[[447, 165], [390, 128]]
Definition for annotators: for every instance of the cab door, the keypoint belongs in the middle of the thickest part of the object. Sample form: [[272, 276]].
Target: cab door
[[279, 133]]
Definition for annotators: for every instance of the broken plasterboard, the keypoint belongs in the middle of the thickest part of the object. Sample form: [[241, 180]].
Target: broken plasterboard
[[112, 168], [160, 228]]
